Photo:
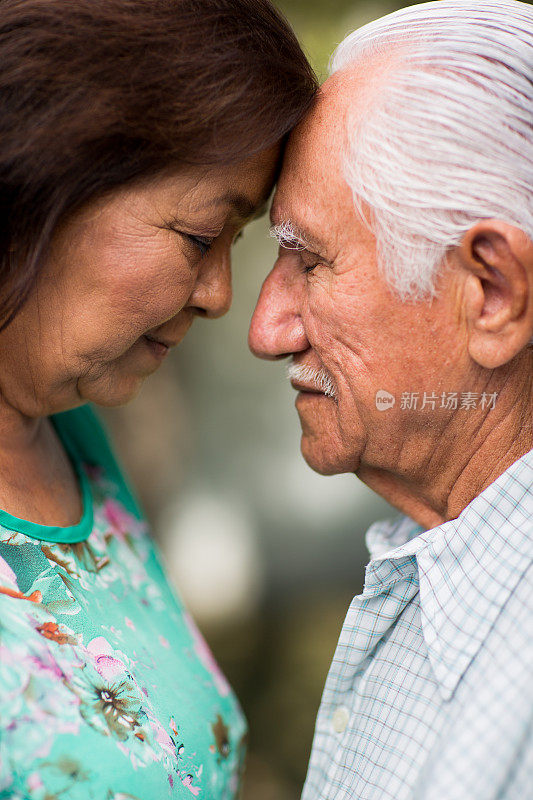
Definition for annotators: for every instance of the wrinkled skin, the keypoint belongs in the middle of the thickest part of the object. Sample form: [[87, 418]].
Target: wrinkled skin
[[329, 307], [145, 259]]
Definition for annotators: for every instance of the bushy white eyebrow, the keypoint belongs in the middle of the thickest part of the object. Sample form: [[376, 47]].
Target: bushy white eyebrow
[[288, 236]]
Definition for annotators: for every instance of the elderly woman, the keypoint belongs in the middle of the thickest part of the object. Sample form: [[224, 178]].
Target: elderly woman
[[137, 138]]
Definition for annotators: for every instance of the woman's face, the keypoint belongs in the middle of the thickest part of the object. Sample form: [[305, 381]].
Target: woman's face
[[145, 260]]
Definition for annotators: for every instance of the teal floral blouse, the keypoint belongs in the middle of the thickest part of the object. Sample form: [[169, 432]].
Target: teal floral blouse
[[107, 689]]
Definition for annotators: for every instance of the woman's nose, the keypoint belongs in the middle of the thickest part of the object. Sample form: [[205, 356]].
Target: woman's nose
[[212, 294], [276, 329]]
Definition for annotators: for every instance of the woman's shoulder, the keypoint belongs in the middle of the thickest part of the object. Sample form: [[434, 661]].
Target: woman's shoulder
[[87, 434]]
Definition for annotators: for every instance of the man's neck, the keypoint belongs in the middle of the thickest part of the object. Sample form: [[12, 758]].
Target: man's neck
[[469, 455]]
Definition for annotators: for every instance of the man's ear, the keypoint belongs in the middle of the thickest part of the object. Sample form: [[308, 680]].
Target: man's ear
[[498, 293]]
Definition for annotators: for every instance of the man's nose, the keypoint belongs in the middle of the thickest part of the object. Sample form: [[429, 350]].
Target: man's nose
[[276, 329], [212, 294]]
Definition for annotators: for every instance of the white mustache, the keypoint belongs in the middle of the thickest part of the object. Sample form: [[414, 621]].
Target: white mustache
[[319, 378]]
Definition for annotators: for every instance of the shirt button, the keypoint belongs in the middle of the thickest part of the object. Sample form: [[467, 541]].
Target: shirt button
[[340, 719]]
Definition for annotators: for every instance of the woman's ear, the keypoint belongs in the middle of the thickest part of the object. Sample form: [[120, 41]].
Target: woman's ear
[[498, 293]]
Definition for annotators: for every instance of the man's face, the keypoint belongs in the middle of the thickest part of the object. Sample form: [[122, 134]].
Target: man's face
[[328, 307]]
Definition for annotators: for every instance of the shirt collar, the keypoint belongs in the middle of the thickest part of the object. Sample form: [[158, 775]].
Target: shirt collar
[[467, 567]]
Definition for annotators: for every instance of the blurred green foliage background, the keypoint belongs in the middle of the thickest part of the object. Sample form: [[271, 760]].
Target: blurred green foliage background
[[266, 554]]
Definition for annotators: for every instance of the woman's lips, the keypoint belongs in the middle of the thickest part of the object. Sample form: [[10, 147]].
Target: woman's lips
[[158, 349]]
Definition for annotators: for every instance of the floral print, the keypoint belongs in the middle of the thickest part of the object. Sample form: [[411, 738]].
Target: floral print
[[107, 689]]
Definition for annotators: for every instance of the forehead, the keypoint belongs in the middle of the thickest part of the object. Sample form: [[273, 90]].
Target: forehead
[[312, 182], [313, 158]]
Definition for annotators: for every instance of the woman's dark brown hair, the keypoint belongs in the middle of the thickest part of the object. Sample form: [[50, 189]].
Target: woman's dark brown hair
[[97, 93]]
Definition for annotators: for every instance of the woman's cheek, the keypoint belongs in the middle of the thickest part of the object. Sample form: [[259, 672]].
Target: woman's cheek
[[166, 296]]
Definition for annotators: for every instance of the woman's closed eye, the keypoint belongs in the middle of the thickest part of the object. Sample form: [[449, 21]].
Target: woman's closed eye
[[203, 243]]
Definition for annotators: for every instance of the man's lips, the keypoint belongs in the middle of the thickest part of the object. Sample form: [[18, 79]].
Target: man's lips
[[310, 380], [308, 388]]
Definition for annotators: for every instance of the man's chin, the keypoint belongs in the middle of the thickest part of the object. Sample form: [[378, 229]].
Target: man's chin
[[327, 460]]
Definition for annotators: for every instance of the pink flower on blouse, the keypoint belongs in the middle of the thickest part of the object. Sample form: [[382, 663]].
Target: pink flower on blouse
[[118, 518], [34, 782], [187, 781], [206, 657], [46, 663], [105, 659]]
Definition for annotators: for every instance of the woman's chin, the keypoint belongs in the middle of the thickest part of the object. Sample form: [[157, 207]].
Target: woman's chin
[[118, 395], [115, 389], [121, 379]]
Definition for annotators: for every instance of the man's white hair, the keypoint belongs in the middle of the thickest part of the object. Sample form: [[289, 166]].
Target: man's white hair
[[448, 140]]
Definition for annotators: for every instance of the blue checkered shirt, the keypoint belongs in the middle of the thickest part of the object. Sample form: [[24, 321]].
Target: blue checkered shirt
[[430, 693]]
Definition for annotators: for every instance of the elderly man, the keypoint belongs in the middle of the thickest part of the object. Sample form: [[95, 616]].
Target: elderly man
[[403, 295]]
